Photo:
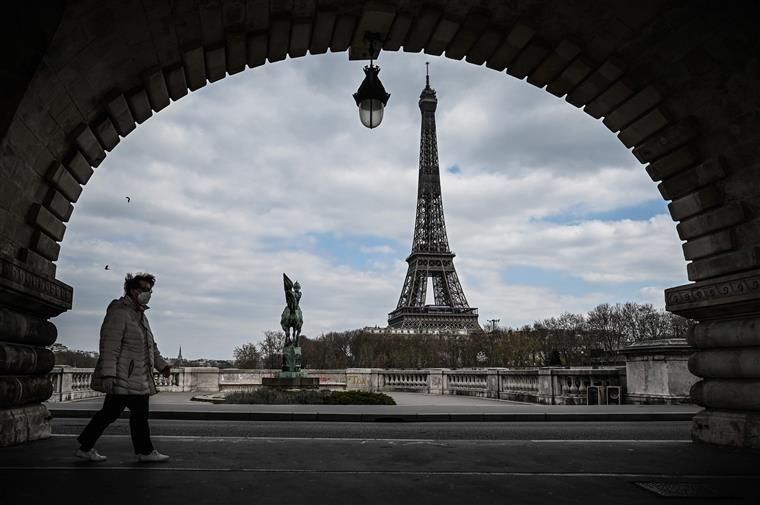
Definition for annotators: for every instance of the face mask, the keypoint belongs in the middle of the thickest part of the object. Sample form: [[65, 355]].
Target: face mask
[[143, 298]]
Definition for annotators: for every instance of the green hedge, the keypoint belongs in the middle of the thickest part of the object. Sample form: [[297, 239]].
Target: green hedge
[[308, 397]]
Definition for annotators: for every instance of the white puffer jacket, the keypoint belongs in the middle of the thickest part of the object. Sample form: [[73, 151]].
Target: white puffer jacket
[[127, 351]]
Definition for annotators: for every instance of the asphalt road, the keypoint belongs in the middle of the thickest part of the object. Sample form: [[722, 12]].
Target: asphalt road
[[677, 430], [335, 463]]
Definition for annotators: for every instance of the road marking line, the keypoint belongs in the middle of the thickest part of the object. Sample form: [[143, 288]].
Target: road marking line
[[152, 468], [357, 439]]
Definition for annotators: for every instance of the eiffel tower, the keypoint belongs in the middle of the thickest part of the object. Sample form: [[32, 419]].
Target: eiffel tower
[[431, 258]]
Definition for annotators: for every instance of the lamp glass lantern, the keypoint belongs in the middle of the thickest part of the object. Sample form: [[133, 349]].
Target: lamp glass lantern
[[371, 97]]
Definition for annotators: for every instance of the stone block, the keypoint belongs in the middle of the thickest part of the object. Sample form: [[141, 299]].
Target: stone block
[[485, 46], [510, 47], [742, 332], [193, 60], [89, 145], [175, 81], [528, 59], [727, 394], [62, 179], [16, 327], [300, 38], [714, 220], [17, 390], [233, 14], [730, 296], [45, 246], [21, 359], [398, 32], [610, 98], [578, 70], [79, 167], [666, 140], [695, 203], [119, 112], [236, 56], [257, 48], [632, 109], [257, 15], [555, 63], [342, 34], [106, 133], [323, 30], [642, 128], [43, 219], [735, 428], [690, 180], [37, 263], [657, 371], [593, 85], [376, 18], [708, 245], [155, 82], [469, 32], [726, 363], [216, 62], [139, 104], [279, 39], [24, 424], [722, 264], [672, 163], [421, 30], [442, 35], [212, 28]]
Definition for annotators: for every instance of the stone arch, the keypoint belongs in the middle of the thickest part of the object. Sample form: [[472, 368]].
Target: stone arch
[[673, 83]]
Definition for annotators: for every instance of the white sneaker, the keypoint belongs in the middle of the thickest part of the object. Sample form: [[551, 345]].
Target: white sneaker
[[91, 455], [153, 457]]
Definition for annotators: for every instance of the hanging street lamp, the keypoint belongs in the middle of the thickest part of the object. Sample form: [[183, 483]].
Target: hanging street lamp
[[371, 97]]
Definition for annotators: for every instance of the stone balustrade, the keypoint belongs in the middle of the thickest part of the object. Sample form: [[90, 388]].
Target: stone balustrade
[[548, 385]]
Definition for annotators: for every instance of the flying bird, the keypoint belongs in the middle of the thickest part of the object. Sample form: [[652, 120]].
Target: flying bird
[[128, 199], [107, 268]]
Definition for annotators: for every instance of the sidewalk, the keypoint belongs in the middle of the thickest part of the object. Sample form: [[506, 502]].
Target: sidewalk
[[411, 407]]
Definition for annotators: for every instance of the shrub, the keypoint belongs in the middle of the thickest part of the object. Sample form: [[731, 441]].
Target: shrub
[[358, 398], [307, 397]]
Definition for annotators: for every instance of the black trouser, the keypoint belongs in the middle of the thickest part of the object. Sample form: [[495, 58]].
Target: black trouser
[[113, 406]]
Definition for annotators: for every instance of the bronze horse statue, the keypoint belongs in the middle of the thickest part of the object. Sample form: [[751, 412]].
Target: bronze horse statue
[[291, 318]]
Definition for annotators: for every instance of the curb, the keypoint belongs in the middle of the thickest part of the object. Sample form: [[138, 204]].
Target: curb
[[393, 418]]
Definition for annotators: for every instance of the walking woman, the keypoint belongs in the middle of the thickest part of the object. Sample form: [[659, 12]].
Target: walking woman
[[124, 371]]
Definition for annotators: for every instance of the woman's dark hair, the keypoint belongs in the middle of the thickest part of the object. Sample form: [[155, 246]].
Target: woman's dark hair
[[132, 281]]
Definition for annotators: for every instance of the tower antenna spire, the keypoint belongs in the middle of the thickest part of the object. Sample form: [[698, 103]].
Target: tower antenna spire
[[427, 73]]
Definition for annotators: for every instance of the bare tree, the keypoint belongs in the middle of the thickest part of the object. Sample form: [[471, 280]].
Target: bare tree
[[271, 348], [247, 356]]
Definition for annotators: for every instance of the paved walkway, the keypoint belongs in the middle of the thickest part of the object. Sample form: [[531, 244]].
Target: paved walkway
[[410, 407]]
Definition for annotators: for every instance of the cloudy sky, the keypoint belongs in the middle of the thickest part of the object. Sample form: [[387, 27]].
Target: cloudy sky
[[270, 171]]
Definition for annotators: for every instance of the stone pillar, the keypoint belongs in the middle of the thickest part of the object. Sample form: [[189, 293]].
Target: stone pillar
[[27, 300], [359, 379], [201, 379], [657, 372], [727, 357], [435, 381]]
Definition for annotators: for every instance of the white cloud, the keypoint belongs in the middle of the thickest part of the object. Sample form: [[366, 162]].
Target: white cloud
[[271, 172]]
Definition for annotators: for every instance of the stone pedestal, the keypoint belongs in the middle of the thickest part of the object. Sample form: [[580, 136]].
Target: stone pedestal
[[657, 372], [291, 376], [727, 342], [290, 382]]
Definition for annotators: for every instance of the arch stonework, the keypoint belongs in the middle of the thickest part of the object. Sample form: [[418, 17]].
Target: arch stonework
[[675, 83]]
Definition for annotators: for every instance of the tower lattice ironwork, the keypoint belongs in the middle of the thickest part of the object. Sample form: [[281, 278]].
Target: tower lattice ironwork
[[431, 260]]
